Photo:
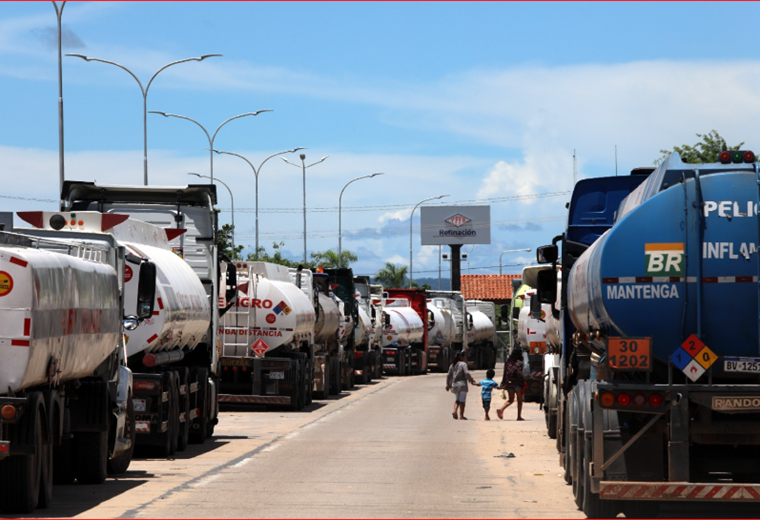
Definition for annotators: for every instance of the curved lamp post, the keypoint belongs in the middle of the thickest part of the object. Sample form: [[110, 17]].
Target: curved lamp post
[[144, 91], [303, 166], [510, 251], [210, 137], [232, 203], [410, 233], [340, 203], [256, 174], [59, 14]]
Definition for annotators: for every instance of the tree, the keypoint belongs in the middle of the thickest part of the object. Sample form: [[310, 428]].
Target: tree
[[705, 151], [277, 258], [329, 258], [224, 243], [392, 275]]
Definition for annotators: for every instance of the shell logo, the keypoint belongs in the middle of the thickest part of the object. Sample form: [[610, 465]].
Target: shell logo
[[543, 315], [458, 220], [389, 338]]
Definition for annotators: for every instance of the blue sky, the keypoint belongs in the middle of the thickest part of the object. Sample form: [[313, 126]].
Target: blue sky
[[482, 101]]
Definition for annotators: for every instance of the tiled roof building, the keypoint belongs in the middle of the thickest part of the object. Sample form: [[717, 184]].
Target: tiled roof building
[[491, 287]]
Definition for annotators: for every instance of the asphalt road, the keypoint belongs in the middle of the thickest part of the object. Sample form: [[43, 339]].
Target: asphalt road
[[386, 450]]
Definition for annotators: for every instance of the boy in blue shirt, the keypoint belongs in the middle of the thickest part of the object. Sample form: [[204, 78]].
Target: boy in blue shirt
[[488, 385]]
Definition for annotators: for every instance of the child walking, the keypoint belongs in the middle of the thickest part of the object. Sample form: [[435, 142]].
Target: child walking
[[487, 386]]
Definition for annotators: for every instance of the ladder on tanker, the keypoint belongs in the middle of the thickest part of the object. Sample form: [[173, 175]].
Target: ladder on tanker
[[235, 337]]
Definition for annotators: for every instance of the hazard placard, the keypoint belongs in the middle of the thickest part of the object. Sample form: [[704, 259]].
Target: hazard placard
[[629, 354], [706, 357], [260, 347], [692, 345]]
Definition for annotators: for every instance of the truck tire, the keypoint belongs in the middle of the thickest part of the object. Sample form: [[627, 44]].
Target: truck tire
[[121, 463], [91, 457], [593, 505], [551, 428], [46, 471], [20, 475], [183, 435], [199, 428], [173, 430], [336, 372], [63, 462], [324, 381]]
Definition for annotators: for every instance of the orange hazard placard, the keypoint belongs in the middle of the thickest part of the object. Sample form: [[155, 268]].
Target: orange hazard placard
[[629, 354], [538, 347]]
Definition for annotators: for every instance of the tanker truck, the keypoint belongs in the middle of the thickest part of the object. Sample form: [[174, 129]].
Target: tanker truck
[[376, 332], [165, 380], [267, 346], [326, 330], [441, 332], [660, 395], [531, 337], [481, 334], [455, 302], [65, 392], [166, 395], [366, 360], [342, 283], [405, 332]]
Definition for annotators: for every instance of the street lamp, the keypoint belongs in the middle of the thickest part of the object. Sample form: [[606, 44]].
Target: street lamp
[[510, 251], [410, 233], [59, 13], [210, 137], [303, 166], [256, 174], [232, 204], [144, 91], [340, 203]]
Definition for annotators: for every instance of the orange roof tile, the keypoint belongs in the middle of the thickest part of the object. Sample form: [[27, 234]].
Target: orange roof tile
[[487, 286]]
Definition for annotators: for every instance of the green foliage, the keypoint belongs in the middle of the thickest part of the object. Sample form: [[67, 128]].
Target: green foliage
[[277, 258], [705, 151], [329, 258], [392, 276], [224, 243]]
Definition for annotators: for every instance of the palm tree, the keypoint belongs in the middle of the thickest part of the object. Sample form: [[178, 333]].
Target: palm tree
[[391, 275], [329, 258]]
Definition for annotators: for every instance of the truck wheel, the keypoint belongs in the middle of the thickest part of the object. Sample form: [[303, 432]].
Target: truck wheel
[[46, 472], [593, 505], [336, 372], [63, 462], [324, 381], [552, 425], [173, 430], [199, 428], [183, 435], [120, 463], [91, 457]]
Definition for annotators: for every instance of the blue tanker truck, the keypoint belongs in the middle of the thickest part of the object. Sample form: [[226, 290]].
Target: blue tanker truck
[[658, 388]]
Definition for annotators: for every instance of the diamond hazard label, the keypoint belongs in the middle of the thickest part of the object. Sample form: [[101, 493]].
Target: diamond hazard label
[[260, 347], [282, 307], [692, 345], [694, 370]]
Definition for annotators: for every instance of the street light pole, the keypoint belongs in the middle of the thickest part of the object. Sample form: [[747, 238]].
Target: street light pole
[[232, 204], [303, 166], [340, 204], [59, 13], [144, 91], [210, 137], [256, 175], [510, 251], [410, 233]]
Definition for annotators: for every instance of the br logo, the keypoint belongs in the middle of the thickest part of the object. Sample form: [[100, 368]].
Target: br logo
[[664, 259]]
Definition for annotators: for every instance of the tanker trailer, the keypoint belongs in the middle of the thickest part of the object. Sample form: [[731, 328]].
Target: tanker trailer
[[376, 333], [531, 339], [64, 392], [441, 330], [455, 302], [326, 364], [267, 340], [342, 284], [481, 334], [365, 358], [552, 361], [402, 328], [188, 214], [664, 395], [167, 396]]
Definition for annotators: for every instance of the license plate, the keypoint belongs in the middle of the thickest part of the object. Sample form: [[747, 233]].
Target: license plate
[[751, 365], [139, 405], [276, 375]]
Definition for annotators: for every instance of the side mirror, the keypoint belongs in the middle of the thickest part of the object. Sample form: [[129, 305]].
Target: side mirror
[[547, 254], [230, 292], [515, 313], [387, 319], [470, 323], [535, 308], [505, 313], [131, 323], [546, 290], [146, 290]]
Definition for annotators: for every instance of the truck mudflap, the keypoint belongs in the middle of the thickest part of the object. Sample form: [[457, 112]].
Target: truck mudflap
[[254, 399], [686, 491]]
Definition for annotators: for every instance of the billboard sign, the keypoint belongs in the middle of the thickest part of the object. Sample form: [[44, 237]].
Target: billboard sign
[[449, 225]]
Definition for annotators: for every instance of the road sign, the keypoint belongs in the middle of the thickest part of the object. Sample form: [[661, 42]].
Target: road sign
[[260, 347]]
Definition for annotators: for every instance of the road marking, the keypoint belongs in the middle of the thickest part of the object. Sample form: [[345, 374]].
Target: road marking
[[242, 463], [205, 481]]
